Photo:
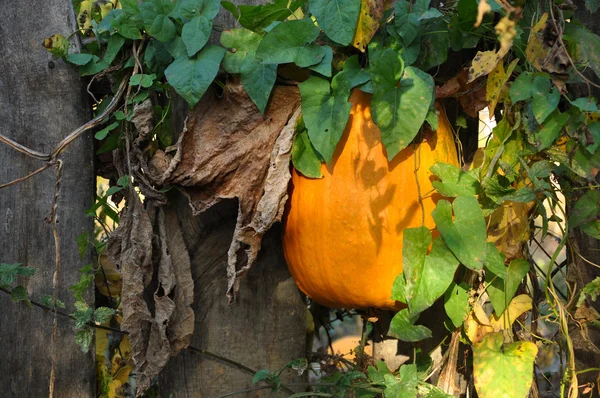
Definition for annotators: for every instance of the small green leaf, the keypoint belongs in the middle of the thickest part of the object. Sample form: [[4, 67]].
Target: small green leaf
[[337, 18], [403, 328], [456, 302], [257, 18], [503, 370], [192, 8], [103, 314], [544, 103], [261, 375], [191, 77], [427, 277], [195, 34], [586, 104], [549, 131], [48, 301], [583, 46], [83, 239], [79, 58], [10, 272], [324, 67], [325, 110], [84, 338], [100, 135], [399, 110], [455, 182], [289, 42], [591, 291], [521, 88], [355, 73], [501, 291], [83, 316], [115, 42], [128, 26], [258, 81], [243, 44], [466, 236], [19, 293], [304, 157], [155, 14], [586, 210]]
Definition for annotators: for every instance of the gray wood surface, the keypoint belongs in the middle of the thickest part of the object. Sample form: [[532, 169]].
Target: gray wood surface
[[265, 327], [40, 102]]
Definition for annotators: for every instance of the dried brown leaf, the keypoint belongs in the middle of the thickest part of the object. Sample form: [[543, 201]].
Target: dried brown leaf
[[232, 152]]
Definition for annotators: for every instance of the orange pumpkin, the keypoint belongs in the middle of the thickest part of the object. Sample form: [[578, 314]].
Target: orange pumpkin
[[343, 233]]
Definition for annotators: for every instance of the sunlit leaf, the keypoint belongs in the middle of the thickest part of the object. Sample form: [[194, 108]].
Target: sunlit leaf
[[455, 182], [501, 291], [304, 157], [456, 302], [403, 328], [503, 370]]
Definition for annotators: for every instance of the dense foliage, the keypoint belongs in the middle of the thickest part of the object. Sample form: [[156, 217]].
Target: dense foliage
[[525, 58]]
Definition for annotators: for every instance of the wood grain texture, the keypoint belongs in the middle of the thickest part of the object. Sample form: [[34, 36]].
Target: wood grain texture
[[263, 329], [40, 102]]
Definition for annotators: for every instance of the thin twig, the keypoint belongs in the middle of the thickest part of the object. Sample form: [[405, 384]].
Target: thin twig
[[21, 179]]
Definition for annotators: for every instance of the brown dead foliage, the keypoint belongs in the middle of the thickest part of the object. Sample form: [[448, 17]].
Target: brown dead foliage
[[472, 96], [231, 151]]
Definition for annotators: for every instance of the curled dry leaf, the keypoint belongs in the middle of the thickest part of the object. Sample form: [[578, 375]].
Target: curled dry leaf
[[230, 151], [150, 251], [472, 96], [507, 229], [482, 9]]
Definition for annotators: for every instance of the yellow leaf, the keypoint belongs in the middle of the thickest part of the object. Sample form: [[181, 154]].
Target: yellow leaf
[[496, 83], [482, 9], [477, 324], [536, 51], [507, 230], [483, 63], [517, 307], [371, 12], [505, 29]]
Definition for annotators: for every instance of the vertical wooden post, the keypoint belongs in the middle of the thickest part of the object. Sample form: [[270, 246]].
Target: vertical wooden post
[[41, 100]]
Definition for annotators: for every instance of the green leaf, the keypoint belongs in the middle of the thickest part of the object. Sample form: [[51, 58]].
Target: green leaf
[[591, 291], [48, 301], [191, 77], [435, 41], [403, 328], [261, 375], [310, 55], [543, 103], [399, 110], [19, 293], [84, 338], [584, 46], [57, 45], [455, 182], [586, 210], [355, 73], [521, 89], [288, 42], [549, 131], [466, 236], [100, 135], [115, 42], [399, 288], [243, 44], [427, 277], [155, 14], [192, 8], [176, 48], [10, 272], [128, 26], [325, 111], [258, 80], [157, 56], [195, 34], [586, 104], [593, 142], [337, 18], [94, 67], [103, 314], [79, 59], [494, 261], [407, 23], [503, 370], [83, 239], [456, 302], [304, 157], [324, 67], [501, 291], [257, 18], [83, 316]]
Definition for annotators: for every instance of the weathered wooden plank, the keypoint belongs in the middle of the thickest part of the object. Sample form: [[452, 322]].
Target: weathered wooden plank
[[40, 102]]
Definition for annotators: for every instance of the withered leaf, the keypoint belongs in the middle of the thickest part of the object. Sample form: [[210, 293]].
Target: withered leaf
[[231, 151]]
